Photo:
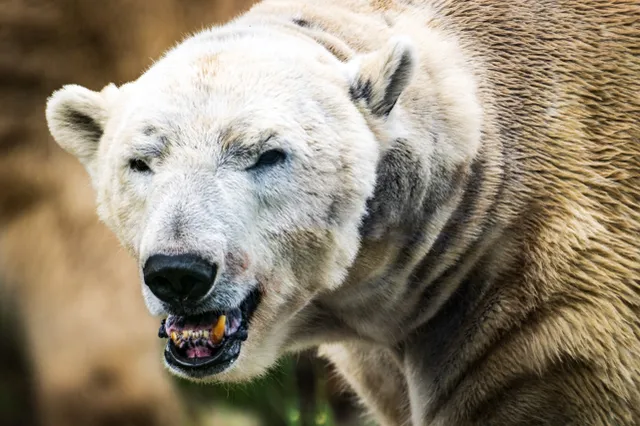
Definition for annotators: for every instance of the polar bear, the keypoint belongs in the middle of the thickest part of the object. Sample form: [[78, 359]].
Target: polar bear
[[404, 184]]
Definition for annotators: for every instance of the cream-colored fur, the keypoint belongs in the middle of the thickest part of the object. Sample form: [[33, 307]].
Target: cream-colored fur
[[407, 231]]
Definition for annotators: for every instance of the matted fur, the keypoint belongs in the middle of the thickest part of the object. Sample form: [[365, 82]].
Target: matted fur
[[492, 277]]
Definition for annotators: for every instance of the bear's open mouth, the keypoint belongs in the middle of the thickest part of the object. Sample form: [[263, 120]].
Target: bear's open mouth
[[209, 343]]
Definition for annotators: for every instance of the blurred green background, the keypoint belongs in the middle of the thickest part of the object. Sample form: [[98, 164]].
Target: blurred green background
[[77, 345]]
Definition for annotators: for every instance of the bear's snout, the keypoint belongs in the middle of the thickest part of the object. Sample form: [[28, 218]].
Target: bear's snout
[[179, 279]]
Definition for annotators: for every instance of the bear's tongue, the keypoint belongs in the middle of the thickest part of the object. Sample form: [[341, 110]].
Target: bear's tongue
[[200, 336]]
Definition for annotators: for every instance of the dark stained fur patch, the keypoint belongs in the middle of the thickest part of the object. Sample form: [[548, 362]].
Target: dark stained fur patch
[[151, 151], [177, 227], [443, 185], [361, 91], [458, 218], [448, 319], [399, 188], [396, 85], [149, 130], [301, 23], [85, 123], [403, 197]]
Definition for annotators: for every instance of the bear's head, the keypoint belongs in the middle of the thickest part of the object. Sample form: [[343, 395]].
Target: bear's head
[[236, 170]]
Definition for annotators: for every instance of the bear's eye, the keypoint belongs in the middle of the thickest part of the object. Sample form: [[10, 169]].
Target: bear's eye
[[269, 158], [138, 165]]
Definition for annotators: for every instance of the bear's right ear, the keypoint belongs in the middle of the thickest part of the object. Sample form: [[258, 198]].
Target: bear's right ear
[[76, 117], [377, 79]]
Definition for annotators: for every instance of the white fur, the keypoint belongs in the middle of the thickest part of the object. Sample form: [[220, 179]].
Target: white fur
[[297, 223]]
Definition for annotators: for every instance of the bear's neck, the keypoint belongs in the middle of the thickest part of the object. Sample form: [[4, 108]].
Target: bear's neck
[[428, 243], [433, 235], [428, 226]]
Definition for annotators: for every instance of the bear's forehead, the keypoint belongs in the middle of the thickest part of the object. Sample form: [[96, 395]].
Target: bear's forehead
[[248, 64], [222, 86], [168, 142], [155, 135], [233, 93], [233, 117], [159, 125]]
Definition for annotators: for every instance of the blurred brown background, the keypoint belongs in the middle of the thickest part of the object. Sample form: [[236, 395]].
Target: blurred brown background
[[77, 345]]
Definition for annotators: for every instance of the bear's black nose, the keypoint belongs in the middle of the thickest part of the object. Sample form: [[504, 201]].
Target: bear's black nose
[[179, 279]]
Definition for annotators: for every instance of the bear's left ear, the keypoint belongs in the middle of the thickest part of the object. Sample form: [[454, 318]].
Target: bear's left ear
[[76, 117], [378, 78]]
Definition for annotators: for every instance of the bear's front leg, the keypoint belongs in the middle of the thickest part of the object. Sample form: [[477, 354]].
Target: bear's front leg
[[376, 378]]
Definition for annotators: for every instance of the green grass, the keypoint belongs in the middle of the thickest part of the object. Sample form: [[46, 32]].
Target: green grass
[[274, 399]]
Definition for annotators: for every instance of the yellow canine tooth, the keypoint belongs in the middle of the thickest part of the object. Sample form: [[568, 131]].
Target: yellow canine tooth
[[174, 337], [217, 332]]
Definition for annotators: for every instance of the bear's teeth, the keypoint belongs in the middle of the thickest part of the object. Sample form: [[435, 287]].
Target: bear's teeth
[[194, 334], [213, 335], [217, 332]]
